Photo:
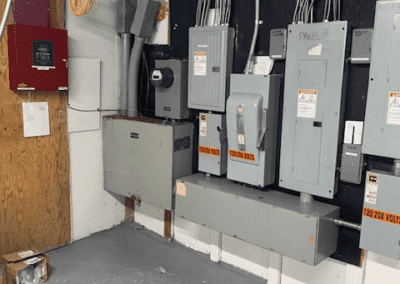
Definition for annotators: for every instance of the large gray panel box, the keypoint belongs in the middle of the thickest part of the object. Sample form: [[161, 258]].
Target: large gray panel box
[[210, 65], [380, 227], [382, 116], [143, 157], [269, 219], [312, 110]]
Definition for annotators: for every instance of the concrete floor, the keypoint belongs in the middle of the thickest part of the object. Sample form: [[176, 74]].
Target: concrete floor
[[130, 253]]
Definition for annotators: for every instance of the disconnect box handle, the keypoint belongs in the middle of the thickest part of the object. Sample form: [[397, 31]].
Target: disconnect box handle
[[263, 128]]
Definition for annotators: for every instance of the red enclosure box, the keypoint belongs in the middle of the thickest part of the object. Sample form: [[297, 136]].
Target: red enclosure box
[[38, 58]]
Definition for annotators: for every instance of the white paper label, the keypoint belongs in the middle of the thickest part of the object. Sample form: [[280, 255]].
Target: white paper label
[[371, 189], [393, 114], [241, 139], [351, 154], [32, 260], [200, 63], [353, 132], [203, 128], [315, 50], [36, 119], [307, 103], [26, 253]]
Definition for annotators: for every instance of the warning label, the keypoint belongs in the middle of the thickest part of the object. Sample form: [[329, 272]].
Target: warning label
[[393, 113], [241, 139], [203, 125], [371, 189], [307, 103], [381, 216], [200, 63]]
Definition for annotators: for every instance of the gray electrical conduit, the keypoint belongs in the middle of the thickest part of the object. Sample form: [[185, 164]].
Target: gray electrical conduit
[[253, 43], [5, 17], [133, 76], [126, 43]]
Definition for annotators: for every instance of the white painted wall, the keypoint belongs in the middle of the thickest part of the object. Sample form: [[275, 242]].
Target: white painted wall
[[92, 208]]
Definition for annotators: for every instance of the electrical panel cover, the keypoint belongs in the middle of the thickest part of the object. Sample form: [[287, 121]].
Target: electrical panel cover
[[382, 116], [312, 107], [38, 58], [210, 65]]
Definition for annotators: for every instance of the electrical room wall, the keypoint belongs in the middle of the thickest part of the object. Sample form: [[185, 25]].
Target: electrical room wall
[[94, 36]]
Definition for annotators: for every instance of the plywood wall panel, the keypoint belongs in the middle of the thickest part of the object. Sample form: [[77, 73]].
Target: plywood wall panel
[[34, 172]]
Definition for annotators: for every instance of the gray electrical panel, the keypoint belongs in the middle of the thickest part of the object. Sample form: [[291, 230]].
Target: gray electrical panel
[[361, 46], [380, 227], [144, 156], [312, 112], [171, 100], [382, 116], [269, 219], [252, 123], [210, 65], [213, 144], [277, 44]]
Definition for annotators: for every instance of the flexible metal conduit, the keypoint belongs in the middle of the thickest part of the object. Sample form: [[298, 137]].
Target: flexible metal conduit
[[126, 42], [133, 76], [347, 224], [5, 17], [253, 43]]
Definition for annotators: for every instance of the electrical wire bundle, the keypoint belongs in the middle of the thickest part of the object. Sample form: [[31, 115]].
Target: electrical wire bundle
[[81, 7], [222, 12], [304, 12], [335, 7]]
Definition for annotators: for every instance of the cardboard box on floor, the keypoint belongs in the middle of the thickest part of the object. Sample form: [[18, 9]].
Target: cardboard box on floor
[[13, 263]]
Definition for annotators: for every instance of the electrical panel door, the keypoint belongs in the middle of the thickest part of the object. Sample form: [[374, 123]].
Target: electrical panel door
[[210, 65], [382, 116], [312, 110]]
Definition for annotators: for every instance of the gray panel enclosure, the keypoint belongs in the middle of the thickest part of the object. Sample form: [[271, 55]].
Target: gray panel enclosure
[[382, 137], [144, 158], [214, 138], [172, 102], [210, 65], [312, 127], [378, 236], [269, 219]]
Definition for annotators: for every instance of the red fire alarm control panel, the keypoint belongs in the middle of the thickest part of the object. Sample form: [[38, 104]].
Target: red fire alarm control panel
[[38, 58]]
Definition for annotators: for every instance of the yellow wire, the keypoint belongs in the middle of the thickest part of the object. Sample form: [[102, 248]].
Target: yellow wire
[[81, 7]]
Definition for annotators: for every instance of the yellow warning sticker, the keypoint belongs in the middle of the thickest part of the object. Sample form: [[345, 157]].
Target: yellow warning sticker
[[307, 103], [381, 216]]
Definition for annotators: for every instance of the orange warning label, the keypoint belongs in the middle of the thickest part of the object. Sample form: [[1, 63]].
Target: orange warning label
[[396, 95], [381, 216], [209, 151], [242, 155], [307, 92], [200, 54]]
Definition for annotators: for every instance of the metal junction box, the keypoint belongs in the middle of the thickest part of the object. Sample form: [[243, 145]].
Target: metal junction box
[[213, 144], [382, 115], [252, 124], [210, 65], [171, 101], [143, 157], [269, 219], [380, 227], [312, 110]]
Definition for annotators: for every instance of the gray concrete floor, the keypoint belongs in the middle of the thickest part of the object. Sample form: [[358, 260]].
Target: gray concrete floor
[[129, 253]]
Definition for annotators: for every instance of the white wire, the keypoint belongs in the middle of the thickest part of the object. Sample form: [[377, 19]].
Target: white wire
[[325, 9], [339, 10], [329, 10], [295, 12], [5, 17]]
